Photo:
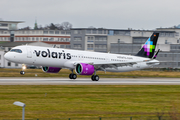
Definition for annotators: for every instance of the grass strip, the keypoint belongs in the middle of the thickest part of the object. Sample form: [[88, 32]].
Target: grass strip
[[68, 101], [65, 73]]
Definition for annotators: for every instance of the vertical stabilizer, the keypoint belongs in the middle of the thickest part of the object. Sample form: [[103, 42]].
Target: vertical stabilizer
[[149, 47]]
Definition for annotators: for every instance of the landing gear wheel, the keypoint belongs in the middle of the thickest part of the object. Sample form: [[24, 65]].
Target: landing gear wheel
[[72, 76], [22, 72], [95, 78], [92, 77]]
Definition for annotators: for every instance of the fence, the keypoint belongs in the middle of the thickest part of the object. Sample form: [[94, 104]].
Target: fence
[[107, 118]]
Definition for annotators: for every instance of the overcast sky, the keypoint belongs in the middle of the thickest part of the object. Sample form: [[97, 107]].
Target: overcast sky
[[117, 14]]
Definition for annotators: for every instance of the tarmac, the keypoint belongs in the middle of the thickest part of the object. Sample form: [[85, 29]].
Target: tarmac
[[88, 81]]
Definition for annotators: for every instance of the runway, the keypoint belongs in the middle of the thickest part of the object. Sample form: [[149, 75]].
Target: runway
[[88, 81]]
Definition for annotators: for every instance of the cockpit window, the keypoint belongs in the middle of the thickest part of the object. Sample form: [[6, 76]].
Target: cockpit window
[[16, 50]]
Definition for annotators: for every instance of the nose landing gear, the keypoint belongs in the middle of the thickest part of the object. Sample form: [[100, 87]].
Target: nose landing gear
[[23, 68], [22, 72]]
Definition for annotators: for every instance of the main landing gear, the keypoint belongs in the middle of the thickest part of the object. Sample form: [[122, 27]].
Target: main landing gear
[[72, 75], [23, 68], [95, 77]]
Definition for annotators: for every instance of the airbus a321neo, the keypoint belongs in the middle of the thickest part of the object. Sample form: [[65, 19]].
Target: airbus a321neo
[[53, 60]]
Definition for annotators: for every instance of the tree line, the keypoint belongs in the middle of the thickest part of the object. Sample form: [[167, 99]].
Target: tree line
[[52, 26]]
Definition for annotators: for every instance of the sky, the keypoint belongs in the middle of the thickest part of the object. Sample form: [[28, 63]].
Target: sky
[[110, 14]]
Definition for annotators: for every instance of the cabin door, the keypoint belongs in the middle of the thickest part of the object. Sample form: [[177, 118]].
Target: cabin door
[[29, 53]]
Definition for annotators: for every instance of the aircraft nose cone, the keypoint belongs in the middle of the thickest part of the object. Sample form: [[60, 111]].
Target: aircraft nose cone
[[7, 56]]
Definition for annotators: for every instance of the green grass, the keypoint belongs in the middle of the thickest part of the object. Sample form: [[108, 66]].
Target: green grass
[[3, 42], [64, 101], [65, 73]]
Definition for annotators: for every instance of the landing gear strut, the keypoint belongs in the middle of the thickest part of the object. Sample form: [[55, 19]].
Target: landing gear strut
[[23, 68], [72, 75], [95, 77]]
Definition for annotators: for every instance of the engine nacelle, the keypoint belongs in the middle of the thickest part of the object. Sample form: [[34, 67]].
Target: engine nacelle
[[51, 69], [84, 69]]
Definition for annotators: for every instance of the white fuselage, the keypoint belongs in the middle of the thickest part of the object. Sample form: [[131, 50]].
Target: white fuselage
[[64, 58]]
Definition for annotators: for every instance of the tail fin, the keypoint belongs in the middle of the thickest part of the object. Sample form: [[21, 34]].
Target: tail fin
[[149, 47]]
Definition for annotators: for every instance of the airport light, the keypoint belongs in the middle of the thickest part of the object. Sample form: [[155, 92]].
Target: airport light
[[23, 105]]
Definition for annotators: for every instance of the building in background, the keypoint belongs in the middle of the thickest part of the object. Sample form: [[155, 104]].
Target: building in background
[[60, 38], [90, 39], [170, 40], [9, 25], [9, 32]]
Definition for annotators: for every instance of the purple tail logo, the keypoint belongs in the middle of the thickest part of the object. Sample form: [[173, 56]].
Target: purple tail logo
[[148, 47]]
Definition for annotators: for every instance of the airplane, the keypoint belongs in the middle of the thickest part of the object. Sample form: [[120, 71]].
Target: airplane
[[53, 60]]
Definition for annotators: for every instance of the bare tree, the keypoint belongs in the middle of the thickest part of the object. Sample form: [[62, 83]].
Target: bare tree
[[46, 27], [26, 28], [59, 26], [52, 27], [40, 27], [66, 25]]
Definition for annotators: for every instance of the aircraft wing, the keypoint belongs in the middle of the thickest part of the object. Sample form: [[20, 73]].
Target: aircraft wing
[[117, 64], [102, 66]]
